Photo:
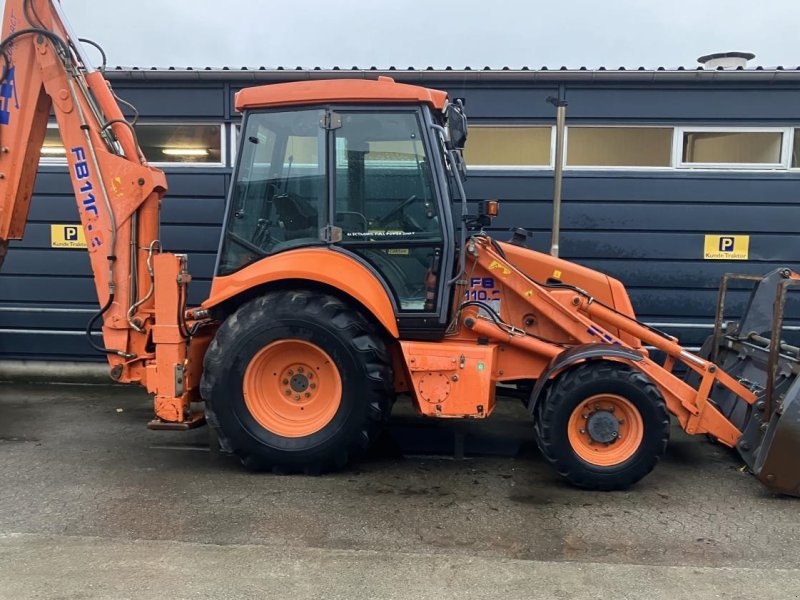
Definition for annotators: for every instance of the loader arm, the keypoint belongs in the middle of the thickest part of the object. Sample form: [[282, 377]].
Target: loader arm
[[139, 288]]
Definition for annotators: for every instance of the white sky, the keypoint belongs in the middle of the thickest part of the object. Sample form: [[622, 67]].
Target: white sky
[[420, 33]]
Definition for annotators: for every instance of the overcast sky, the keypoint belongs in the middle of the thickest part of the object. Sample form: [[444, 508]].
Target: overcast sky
[[420, 33]]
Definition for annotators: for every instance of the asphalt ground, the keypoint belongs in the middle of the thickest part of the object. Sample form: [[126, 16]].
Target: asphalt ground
[[94, 505]]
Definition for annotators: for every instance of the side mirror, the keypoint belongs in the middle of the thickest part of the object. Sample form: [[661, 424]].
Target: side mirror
[[457, 125]]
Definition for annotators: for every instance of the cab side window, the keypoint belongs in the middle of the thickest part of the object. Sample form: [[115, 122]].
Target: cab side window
[[386, 203], [279, 197]]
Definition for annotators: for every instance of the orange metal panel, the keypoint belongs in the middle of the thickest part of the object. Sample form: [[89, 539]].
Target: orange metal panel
[[314, 265], [363, 91], [451, 379]]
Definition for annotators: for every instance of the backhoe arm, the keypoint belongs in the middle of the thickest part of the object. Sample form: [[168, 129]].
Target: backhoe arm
[[118, 196]]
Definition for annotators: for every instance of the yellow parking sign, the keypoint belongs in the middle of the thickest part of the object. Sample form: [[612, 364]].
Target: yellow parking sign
[[67, 236], [726, 247]]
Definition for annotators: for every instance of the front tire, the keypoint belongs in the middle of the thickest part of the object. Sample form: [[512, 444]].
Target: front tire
[[602, 425], [296, 381]]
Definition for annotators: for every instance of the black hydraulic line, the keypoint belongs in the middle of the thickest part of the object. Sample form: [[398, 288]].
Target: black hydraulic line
[[25, 6], [129, 105], [497, 320], [90, 326], [182, 303], [497, 247], [33, 30], [99, 49]]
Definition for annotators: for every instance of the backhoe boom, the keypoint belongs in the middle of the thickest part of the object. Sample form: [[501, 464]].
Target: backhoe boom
[[118, 194]]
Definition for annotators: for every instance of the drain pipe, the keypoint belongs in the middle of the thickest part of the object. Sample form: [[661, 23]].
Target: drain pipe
[[561, 114]]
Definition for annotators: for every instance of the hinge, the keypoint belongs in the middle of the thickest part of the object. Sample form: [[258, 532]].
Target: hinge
[[330, 120], [330, 234]]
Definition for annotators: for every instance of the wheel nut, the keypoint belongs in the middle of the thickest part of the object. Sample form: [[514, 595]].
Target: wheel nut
[[583, 431], [290, 372], [586, 416], [313, 386], [285, 382], [300, 370], [621, 421], [288, 392], [297, 397], [308, 395], [310, 375]]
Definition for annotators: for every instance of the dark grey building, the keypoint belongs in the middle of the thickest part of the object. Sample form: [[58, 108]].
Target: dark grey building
[[672, 177]]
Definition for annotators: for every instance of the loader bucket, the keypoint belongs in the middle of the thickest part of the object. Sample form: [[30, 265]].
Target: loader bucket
[[753, 352]]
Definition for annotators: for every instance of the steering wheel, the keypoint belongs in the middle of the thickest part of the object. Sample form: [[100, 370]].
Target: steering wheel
[[396, 211]]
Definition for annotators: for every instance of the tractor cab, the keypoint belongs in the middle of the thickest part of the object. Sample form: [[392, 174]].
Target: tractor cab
[[365, 177]]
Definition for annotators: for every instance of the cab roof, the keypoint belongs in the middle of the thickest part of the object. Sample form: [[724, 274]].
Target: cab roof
[[362, 91]]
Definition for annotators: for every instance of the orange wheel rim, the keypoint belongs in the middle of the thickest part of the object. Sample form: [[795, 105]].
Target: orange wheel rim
[[605, 430], [292, 388]]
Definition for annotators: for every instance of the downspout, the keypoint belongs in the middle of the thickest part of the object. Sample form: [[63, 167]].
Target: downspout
[[561, 113]]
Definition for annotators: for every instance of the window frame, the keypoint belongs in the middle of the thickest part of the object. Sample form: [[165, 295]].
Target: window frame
[[795, 139], [223, 138], [495, 124], [787, 140], [566, 166]]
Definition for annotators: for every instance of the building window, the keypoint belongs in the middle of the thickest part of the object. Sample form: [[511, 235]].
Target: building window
[[726, 148], [181, 143], [619, 146], [199, 144], [52, 149], [497, 146]]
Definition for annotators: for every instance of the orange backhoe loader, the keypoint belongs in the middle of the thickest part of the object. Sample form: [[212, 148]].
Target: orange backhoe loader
[[343, 278]]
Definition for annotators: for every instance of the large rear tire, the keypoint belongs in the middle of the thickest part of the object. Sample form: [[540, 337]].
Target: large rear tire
[[296, 381], [602, 425]]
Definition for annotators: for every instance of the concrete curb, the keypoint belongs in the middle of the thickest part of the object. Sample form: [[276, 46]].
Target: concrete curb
[[51, 371]]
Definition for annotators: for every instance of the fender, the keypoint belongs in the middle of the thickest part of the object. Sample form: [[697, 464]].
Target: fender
[[316, 265], [573, 355]]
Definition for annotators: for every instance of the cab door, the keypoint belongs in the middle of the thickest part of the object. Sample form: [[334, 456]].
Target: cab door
[[389, 207]]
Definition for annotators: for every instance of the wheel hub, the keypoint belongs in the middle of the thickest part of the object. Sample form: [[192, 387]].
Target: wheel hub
[[605, 430], [299, 382], [292, 388], [603, 427]]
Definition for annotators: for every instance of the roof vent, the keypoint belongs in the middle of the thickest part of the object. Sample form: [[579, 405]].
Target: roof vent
[[726, 60]]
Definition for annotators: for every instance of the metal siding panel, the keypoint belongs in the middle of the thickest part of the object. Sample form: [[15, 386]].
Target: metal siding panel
[[644, 228], [709, 104], [65, 318], [164, 101], [647, 230], [76, 263], [42, 346], [505, 104]]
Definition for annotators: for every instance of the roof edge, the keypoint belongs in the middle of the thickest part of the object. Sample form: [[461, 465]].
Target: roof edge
[[641, 75]]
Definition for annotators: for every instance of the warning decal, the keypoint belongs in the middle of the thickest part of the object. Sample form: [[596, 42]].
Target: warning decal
[[726, 247], [67, 236]]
